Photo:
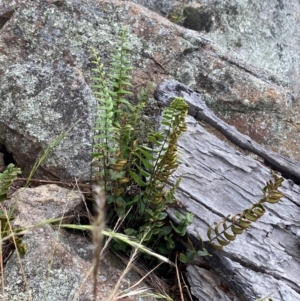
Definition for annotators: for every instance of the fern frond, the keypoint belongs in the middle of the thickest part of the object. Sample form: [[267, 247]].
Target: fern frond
[[119, 75], [241, 221], [6, 179], [104, 145], [173, 121]]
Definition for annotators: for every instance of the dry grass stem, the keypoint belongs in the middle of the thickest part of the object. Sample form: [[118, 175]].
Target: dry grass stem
[[98, 226], [187, 288], [132, 258], [178, 279]]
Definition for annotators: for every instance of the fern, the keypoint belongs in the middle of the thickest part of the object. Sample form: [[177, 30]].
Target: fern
[[104, 130], [113, 132], [6, 179], [224, 234], [135, 175], [161, 162], [119, 77]]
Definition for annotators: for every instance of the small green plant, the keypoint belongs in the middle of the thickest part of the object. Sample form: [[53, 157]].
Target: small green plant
[[135, 174], [6, 179], [177, 16]]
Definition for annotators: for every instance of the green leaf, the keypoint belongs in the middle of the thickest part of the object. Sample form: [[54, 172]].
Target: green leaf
[[137, 179], [243, 223], [203, 253], [236, 230], [223, 242], [147, 154], [133, 201], [183, 258], [179, 230], [190, 256], [145, 162], [141, 208], [142, 172], [158, 224], [130, 232], [170, 243], [167, 230], [229, 236], [154, 141], [162, 215]]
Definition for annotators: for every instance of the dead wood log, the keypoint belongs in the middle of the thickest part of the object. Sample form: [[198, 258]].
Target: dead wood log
[[218, 180]]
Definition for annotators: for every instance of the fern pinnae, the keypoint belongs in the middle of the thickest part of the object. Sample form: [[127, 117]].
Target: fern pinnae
[[104, 136], [242, 221], [174, 120], [119, 77], [6, 179]]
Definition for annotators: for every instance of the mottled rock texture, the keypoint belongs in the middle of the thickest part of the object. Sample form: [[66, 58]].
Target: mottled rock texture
[[255, 37], [45, 63], [265, 34], [57, 264], [42, 102]]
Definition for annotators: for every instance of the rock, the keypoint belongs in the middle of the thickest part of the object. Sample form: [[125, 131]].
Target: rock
[[57, 263], [247, 35], [44, 89], [263, 34], [206, 285], [162, 7], [218, 180], [33, 205], [45, 76], [43, 102]]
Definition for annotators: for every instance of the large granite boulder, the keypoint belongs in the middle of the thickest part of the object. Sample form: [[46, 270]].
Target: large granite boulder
[[45, 72]]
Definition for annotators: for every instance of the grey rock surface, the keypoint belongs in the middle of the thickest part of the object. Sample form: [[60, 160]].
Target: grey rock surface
[[218, 180], [46, 60], [45, 63], [41, 102], [265, 34], [34, 205], [206, 285], [171, 89], [162, 7], [259, 38]]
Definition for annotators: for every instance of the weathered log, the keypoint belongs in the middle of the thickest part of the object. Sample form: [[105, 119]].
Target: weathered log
[[198, 109], [218, 180]]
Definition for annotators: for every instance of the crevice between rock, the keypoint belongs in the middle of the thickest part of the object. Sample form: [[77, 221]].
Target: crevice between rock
[[4, 18]]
